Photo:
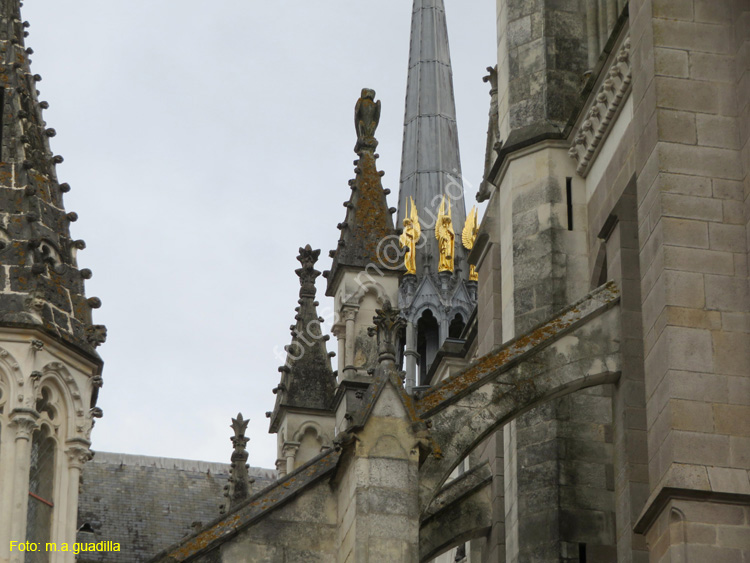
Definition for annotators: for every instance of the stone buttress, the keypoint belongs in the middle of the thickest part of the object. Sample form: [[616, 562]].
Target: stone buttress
[[535, 263]]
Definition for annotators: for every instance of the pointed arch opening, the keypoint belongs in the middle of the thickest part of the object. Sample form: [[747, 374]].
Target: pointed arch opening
[[41, 492], [428, 342], [3, 401], [456, 328]]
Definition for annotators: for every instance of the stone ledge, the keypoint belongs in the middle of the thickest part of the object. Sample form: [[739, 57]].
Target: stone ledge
[[697, 483]]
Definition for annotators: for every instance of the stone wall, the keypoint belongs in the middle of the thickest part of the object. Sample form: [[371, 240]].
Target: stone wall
[[302, 530], [693, 261]]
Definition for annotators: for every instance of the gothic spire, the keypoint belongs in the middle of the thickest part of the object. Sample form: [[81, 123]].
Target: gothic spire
[[368, 227], [307, 380], [431, 165], [40, 283], [240, 482]]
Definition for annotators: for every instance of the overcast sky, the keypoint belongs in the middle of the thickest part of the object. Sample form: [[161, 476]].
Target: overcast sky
[[205, 142]]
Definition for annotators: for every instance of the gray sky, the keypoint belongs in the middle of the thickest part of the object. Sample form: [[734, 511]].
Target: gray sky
[[205, 142]]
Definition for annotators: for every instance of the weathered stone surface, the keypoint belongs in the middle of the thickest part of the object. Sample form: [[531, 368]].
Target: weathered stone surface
[[279, 499], [462, 512], [34, 227], [582, 345]]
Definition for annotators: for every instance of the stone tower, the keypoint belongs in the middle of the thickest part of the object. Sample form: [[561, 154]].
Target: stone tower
[[50, 371], [303, 418], [436, 304]]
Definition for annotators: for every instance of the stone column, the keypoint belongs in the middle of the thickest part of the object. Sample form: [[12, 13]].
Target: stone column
[[340, 334], [281, 467], [77, 454], [23, 422], [410, 353], [290, 453], [350, 315], [444, 321]]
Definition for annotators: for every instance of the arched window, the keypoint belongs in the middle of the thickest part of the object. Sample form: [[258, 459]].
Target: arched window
[[3, 399], [400, 348], [310, 444], [41, 488], [456, 327], [428, 341], [2, 396]]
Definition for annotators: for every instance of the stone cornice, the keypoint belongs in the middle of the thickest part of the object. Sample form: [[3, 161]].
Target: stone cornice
[[602, 112]]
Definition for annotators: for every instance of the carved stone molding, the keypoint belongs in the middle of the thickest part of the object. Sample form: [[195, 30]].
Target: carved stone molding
[[290, 449], [78, 453], [25, 422], [604, 108], [350, 312]]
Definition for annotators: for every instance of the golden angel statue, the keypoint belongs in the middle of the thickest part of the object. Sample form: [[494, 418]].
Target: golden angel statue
[[446, 237], [469, 237], [410, 237]]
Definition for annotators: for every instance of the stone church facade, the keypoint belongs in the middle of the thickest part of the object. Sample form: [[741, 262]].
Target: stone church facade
[[568, 381]]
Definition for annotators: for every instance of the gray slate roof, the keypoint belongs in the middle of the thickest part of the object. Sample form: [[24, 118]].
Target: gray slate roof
[[431, 163], [148, 503]]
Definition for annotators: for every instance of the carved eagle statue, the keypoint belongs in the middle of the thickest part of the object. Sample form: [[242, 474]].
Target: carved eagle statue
[[366, 118]]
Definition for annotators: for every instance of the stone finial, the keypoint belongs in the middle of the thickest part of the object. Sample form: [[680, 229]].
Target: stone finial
[[307, 273], [388, 323], [240, 482]]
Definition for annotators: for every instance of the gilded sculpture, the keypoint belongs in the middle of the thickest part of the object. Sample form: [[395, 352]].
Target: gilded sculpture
[[410, 237], [446, 237], [469, 237]]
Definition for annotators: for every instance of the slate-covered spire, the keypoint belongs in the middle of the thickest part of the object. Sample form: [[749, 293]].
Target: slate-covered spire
[[431, 165], [368, 227], [307, 380], [40, 283]]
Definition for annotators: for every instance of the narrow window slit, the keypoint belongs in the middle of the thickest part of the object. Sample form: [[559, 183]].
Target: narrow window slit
[[569, 201]]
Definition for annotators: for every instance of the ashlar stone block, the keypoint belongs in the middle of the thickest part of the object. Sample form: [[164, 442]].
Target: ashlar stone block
[[732, 419], [731, 352], [690, 349]]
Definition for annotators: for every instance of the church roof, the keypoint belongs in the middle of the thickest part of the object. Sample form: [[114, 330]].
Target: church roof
[[431, 163], [307, 379], [42, 285], [148, 503], [368, 227], [276, 495]]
